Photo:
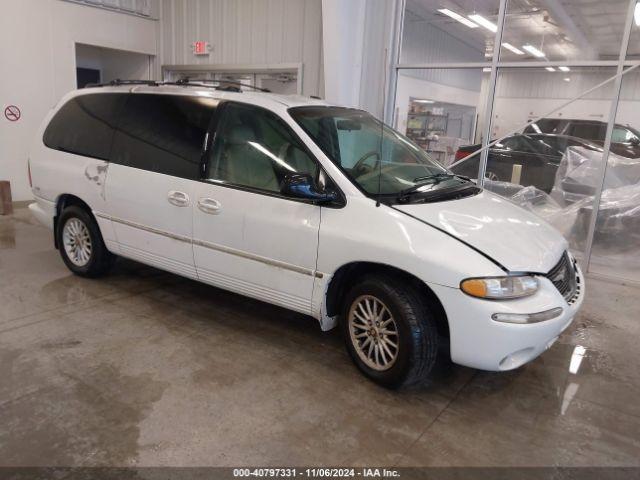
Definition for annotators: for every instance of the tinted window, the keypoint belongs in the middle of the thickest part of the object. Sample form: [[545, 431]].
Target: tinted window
[[255, 148], [553, 145], [518, 143], [163, 133], [85, 125], [545, 125], [589, 131]]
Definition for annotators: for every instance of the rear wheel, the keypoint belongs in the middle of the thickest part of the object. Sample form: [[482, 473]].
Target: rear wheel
[[80, 243], [389, 331]]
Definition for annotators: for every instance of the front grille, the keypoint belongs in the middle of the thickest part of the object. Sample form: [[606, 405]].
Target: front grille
[[564, 277]]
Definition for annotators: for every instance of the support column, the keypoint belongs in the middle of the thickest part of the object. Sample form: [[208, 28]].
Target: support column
[[343, 26]]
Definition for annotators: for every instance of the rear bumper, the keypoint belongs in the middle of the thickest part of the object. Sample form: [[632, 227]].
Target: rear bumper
[[44, 211], [477, 341]]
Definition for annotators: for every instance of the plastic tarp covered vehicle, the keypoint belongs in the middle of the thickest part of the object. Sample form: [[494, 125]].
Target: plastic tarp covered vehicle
[[569, 206], [579, 173]]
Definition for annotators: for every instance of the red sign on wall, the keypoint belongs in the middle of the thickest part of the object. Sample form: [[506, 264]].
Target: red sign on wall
[[201, 48]]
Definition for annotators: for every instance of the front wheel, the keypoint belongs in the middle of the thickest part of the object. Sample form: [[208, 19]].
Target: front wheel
[[80, 243], [389, 331]]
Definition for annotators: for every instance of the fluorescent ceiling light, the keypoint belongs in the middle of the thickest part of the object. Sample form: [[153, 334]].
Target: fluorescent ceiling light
[[550, 69], [534, 51], [564, 69], [515, 50], [567, 79], [459, 18], [637, 14], [480, 20], [424, 101]]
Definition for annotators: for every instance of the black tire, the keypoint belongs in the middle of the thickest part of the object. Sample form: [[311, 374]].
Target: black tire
[[100, 259], [416, 330]]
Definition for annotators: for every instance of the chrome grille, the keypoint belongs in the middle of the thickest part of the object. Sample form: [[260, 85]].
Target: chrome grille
[[564, 277]]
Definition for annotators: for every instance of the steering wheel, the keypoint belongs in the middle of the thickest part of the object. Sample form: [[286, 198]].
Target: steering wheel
[[360, 168]]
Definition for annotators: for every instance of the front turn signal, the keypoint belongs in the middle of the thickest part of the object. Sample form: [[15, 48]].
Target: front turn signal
[[500, 288]]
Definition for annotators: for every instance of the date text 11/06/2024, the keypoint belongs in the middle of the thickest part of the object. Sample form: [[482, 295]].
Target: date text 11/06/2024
[[316, 472]]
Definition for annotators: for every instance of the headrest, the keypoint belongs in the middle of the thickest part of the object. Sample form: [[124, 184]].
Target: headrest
[[239, 134]]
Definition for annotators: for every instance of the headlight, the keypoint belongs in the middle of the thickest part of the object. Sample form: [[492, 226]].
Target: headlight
[[500, 288]]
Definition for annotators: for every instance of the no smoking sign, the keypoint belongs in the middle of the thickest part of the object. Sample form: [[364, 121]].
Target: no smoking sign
[[12, 113]]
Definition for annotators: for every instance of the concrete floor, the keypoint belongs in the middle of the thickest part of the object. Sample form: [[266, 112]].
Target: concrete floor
[[147, 368]]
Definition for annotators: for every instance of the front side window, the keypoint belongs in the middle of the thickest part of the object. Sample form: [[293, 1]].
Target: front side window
[[254, 148], [624, 135], [85, 125], [163, 133], [375, 157]]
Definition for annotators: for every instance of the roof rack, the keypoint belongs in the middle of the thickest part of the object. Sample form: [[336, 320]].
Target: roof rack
[[233, 86], [117, 82]]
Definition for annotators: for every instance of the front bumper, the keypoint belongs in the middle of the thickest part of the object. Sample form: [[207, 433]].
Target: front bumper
[[478, 341]]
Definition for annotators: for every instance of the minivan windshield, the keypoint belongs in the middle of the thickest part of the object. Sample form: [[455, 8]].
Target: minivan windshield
[[375, 157]]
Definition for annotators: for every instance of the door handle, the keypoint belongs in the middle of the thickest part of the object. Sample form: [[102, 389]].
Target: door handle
[[209, 205], [179, 199]]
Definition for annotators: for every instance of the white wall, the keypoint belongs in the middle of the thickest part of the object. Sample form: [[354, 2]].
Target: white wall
[[257, 32], [37, 54]]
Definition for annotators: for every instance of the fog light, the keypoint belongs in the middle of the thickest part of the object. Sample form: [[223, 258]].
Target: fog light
[[527, 317]]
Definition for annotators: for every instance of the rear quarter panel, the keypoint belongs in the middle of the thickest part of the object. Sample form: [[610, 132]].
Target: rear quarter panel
[[55, 173]]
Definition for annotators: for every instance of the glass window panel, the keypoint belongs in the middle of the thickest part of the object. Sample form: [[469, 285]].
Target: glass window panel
[[538, 30], [616, 243], [551, 166], [436, 31], [439, 110]]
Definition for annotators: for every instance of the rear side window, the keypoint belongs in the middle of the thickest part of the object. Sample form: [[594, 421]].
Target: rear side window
[[85, 125], [163, 133], [589, 131]]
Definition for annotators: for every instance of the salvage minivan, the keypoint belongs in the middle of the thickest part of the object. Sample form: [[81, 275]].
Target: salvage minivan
[[313, 207]]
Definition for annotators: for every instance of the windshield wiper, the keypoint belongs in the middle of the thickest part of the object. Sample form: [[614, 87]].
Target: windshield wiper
[[433, 179], [440, 176]]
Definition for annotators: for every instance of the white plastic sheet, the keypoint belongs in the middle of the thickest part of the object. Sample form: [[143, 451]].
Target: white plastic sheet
[[569, 206], [578, 174]]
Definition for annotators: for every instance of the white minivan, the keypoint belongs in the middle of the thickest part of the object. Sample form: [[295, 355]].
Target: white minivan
[[317, 208]]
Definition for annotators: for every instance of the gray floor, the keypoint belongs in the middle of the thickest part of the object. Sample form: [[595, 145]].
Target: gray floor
[[146, 368]]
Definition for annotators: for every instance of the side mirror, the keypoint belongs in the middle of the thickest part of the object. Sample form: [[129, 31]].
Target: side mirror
[[635, 141], [302, 185]]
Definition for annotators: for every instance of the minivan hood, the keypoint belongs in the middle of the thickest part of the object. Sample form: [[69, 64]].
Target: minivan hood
[[508, 234]]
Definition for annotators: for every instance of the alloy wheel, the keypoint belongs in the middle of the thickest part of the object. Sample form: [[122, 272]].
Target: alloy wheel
[[76, 240], [374, 332]]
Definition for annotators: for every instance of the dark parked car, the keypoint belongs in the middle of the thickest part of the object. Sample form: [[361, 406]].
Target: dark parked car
[[538, 154], [625, 140]]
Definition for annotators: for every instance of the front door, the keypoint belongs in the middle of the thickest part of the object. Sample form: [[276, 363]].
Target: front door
[[247, 236], [153, 177]]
